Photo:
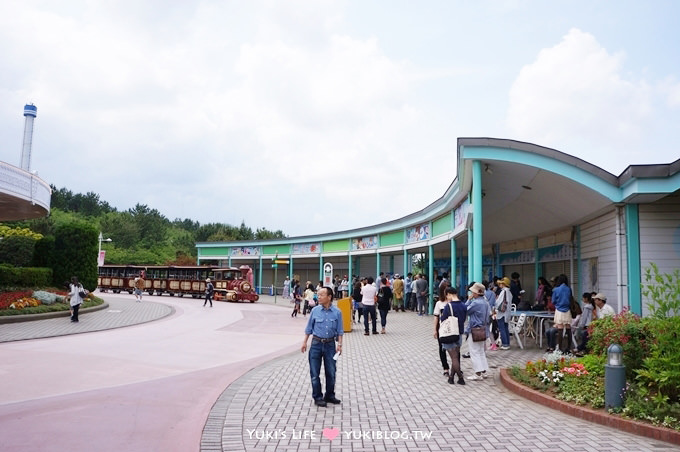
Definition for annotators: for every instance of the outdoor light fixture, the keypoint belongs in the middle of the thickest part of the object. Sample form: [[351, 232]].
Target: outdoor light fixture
[[614, 377], [615, 355], [488, 170]]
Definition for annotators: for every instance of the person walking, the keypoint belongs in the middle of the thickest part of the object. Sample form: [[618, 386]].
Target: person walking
[[478, 312], [75, 290], [398, 293], [453, 306], [384, 301], [325, 327], [356, 302], [286, 288], [209, 290], [369, 294], [139, 287], [421, 293]]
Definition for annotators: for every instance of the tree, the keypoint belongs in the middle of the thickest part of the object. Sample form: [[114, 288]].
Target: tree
[[120, 228], [151, 224]]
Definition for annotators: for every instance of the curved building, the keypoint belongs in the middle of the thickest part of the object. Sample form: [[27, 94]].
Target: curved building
[[512, 207]]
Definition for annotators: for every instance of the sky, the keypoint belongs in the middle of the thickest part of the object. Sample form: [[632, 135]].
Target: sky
[[319, 116]]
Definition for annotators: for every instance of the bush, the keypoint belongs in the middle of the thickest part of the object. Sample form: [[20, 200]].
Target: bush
[[662, 292], [75, 251], [626, 329], [660, 372], [43, 255], [17, 250], [24, 277]]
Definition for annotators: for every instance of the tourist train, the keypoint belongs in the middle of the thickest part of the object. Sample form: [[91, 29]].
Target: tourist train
[[231, 283]]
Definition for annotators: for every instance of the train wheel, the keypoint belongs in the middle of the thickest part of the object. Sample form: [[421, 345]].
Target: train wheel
[[172, 294], [180, 295]]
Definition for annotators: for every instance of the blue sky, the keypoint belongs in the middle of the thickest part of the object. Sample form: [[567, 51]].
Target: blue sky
[[316, 116]]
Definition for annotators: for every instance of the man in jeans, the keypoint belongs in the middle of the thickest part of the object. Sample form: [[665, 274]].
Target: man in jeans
[[368, 294], [325, 327], [421, 293]]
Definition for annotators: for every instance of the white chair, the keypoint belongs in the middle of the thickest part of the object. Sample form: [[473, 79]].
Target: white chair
[[516, 328]]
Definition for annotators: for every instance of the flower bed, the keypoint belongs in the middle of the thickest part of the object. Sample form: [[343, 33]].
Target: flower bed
[[20, 302]]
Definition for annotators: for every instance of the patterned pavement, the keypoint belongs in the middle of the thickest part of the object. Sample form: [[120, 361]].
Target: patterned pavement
[[394, 398]]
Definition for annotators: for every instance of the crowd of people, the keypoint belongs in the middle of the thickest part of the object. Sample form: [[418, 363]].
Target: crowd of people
[[482, 315]]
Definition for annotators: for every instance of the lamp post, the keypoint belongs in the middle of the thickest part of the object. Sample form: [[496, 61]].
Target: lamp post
[[614, 377], [101, 239]]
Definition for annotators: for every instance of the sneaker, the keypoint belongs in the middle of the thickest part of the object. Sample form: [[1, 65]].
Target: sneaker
[[465, 355], [484, 375], [493, 347], [476, 377], [460, 379], [505, 347]]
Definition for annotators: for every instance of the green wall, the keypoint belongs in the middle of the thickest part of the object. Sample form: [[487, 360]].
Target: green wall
[[273, 249], [392, 238], [442, 225], [336, 245], [221, 251]]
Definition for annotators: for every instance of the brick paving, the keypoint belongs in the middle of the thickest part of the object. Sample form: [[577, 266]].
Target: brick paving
[[120, 313], [394, 395], [394, 398]]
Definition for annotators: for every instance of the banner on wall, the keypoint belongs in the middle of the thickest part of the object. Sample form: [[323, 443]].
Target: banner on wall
[[245, 251], [306, 248], [418, 233], [100, 258], [460, 214], [365, 243]]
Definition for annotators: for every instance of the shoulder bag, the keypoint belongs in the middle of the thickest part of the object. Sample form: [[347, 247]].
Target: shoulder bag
[[448, 329], [478, 333]]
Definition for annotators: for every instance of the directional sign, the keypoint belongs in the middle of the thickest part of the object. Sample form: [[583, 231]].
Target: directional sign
[[281, 261], [275, 265]]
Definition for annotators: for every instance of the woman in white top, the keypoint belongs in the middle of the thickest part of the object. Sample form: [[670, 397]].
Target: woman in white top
[[76, 300], [504, 300]]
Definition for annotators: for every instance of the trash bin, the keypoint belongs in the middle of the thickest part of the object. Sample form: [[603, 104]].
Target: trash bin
[[345, 306]]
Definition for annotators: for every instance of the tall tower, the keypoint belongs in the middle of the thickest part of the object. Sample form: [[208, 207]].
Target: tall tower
[[30, 112]]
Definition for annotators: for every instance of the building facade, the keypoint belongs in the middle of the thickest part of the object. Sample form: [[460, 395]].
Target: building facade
[[512, 207]]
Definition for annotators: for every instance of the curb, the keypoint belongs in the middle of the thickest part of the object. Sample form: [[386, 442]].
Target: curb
[[588, 414], [6, 319]]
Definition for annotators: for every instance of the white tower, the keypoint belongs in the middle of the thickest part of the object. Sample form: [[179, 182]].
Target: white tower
[[30, 112]]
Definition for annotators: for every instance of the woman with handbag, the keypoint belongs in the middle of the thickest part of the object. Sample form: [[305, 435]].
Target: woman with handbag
[[478, 312], [75, 293], [456, 308]]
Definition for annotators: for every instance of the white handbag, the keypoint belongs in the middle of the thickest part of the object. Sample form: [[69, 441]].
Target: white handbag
[[448, 329]]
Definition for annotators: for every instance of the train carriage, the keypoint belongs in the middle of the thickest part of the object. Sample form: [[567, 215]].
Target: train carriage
[[231, 283]]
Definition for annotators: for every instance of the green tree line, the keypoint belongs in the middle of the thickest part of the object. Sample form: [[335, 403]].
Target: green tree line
[[140, 235]]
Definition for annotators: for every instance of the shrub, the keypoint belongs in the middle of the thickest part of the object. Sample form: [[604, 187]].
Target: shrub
[[661, 367], [626, 329], [24, 277], [43, 255], [17, 250], [662, 292], [75, 251]]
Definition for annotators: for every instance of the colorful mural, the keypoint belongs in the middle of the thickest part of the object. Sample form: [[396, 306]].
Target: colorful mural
[[306, 248], [365, 243], [246, 251], [417, 233]]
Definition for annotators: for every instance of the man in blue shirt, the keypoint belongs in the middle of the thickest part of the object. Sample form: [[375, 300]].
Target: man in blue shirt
[[325, 327]]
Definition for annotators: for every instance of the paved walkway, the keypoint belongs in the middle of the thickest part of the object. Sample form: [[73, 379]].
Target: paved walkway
[[232, 378], [394, 398]]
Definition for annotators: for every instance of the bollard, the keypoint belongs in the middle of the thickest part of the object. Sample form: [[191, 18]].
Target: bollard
[[614, 377]]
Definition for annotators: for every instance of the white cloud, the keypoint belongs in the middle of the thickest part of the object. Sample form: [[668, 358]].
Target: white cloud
[[574, 95]]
